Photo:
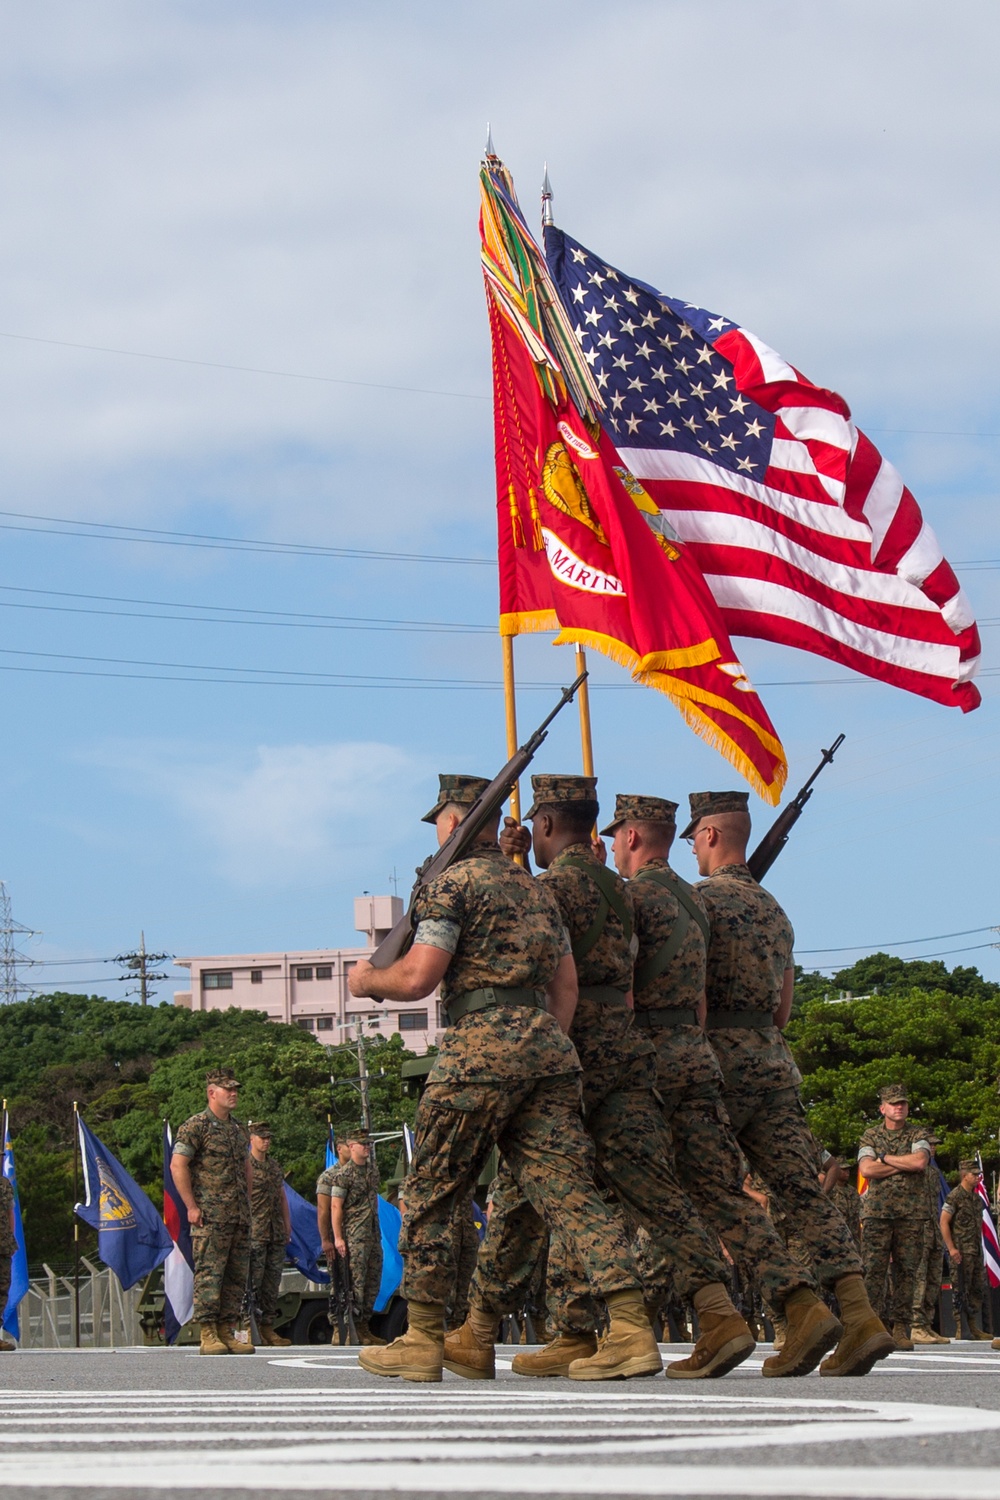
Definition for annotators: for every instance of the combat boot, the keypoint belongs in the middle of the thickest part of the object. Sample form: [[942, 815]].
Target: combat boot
[[901, 1337], [557, 1356], [724, 1342], [995, 1344], [628, 1348], [210, 1340], [419, 1354], [920, 1335], [865, 1340], [470, 1351], [365, 1336], [271, 1339], [975, 1332], [811, 1329], [234, 1345], [6, 1345]]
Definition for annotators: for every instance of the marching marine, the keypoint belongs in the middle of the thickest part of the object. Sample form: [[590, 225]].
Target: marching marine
[[507, 1075], [270, 1230], [623, 1118], [749, 989], [962, 1231], [212, 1174], [894, 1157]]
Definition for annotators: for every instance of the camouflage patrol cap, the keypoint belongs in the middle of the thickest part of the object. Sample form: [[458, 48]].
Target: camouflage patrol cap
[[558, 790], [462, 790], [358, 1137], [222, 1078], [894, 1093], [969, 1166], [635, 807], [261, 1128], [705, 804]]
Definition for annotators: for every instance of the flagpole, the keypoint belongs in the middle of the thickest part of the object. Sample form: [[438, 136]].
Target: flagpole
[[76, 1222], [510, 710], [583, 699]]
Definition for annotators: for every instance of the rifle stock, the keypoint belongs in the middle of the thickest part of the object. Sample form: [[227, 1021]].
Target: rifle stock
[[776, 837], [486, 806]]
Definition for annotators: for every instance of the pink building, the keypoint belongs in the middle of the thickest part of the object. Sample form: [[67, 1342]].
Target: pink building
[[309, 989]]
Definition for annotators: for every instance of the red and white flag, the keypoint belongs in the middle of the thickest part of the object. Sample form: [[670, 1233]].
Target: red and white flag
[[805, 534], [991, 1245]]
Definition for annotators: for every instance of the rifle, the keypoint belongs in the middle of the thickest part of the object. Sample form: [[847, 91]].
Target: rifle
[[341, 1301], [480, 814], [960, 1299], [776, 837]]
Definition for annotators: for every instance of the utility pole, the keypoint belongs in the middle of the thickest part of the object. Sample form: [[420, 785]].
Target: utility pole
[[10, 986], [366, 1114], [138, 964]]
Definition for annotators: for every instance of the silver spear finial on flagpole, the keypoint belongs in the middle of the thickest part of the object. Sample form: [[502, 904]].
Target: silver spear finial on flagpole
[[547, 215], [490, 151]]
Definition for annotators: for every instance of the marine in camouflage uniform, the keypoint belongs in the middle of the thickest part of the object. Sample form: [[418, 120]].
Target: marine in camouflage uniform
[[269, 1229], [930, 1268], [352, 1184], [671, 925], [620, 1106], [894, 1209], [505, 1075], [748, 991], [962, 1219], [215, 1150], [8, 1244]]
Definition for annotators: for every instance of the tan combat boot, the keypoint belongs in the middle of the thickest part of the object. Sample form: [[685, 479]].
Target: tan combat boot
[[557, 1356], [233, 1344], [811, 1329], [7, 1346], [920, 1335], [865, 1340], [724, 1342], [419, 1354], [901, 1336], [628, 1348], [470, 1351], [365, 1336], [975, 1332], [271, 1339], [995, 1344], [210, 1340]]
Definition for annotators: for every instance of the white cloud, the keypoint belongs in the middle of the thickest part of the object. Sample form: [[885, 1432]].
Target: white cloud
[[286, 815]]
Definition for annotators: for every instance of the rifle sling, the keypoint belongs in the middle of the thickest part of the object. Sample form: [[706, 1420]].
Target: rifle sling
[[611, 901], [659, 961]]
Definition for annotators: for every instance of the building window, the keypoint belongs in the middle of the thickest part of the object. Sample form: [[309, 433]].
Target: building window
[[303, 974], [324, 971], [306, 1022], [218, 979], [256, 976], [413, 1020], [324, 1023], [442, 1018]]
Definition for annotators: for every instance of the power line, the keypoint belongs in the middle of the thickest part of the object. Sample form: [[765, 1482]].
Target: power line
[[938, 937], [217, 614], [154, 536], [917, 957]]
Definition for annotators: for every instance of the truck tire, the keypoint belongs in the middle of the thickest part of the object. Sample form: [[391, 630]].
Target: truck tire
[[311, 1326]]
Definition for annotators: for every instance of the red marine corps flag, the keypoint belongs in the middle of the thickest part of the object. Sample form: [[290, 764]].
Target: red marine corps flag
[[583, 549]]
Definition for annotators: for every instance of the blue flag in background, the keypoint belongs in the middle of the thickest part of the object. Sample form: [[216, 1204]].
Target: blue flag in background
[[304, 1246], [19, 1261], [331, 1148], [389, 1221], [131, 1237]]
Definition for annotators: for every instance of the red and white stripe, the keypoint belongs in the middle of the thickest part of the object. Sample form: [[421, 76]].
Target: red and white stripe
[[991, 1246], [827, 550]]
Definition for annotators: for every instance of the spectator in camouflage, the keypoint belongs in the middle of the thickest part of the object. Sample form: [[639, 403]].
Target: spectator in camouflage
[[962, 1230], [270, 1230], [347, 1209], [212, 1174], [894, 1156]]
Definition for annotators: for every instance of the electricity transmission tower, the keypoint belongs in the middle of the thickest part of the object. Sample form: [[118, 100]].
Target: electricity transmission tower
[[10, 986], [138, 965]]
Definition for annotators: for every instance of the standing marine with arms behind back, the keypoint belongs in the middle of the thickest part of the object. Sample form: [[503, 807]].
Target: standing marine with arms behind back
[[506, 1075], [749, 987], [270, 1230]]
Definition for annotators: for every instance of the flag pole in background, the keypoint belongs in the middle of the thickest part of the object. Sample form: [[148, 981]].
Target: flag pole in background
[[510, 712], [76, 1224], [583, 693]]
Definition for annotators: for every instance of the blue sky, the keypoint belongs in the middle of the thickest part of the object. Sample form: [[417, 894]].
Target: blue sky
[[294, 189]]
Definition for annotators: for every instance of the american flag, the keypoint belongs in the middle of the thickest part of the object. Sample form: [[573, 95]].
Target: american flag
[[805, 534]]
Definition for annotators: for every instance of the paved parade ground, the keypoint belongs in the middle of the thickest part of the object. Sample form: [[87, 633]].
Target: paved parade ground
[[159, 1422]]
